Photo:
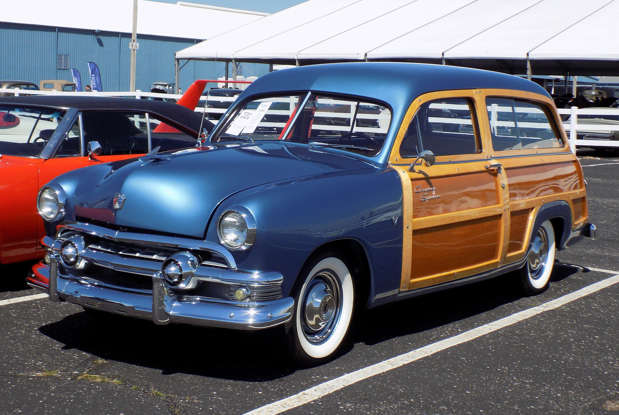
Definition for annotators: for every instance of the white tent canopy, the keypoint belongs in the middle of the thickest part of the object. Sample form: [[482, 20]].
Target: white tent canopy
[[555, 36]]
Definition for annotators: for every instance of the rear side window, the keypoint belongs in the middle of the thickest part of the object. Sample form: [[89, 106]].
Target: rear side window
[[444, 126], [517, 124]]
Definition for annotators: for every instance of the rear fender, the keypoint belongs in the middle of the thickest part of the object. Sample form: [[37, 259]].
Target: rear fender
[[556, 210]]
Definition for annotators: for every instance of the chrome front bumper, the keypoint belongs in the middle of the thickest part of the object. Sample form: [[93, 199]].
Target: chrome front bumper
[[155, 299], [163, 306]]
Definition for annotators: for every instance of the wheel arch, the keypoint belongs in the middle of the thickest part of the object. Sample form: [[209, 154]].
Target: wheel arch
[[355, 255], [560, 216]]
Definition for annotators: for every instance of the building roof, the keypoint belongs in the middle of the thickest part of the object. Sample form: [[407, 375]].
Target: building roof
[[177, 20]]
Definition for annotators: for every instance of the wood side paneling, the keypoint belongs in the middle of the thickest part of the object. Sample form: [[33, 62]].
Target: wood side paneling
[[517, 230], [533, 181], [579, 207], [454, 247], [440, 195]]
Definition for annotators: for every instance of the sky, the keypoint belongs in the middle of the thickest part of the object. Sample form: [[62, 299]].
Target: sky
[[267, 6]]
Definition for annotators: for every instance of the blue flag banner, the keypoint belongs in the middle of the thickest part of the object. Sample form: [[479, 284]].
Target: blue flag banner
[[95, 77], [77, 79]]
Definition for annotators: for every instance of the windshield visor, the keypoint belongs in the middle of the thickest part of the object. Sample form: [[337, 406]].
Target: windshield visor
[[338, 122], [24, 131]]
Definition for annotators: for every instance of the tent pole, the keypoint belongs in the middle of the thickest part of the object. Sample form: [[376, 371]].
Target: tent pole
[[235, 69], [227, 72], [529, 70], [443, 58], [176, 75], [574, 86]]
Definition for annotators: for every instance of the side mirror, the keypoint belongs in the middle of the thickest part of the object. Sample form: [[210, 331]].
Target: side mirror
[[94, 149], [426, 156]]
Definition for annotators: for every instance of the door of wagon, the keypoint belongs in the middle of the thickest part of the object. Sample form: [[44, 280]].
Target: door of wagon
[[453, 209]]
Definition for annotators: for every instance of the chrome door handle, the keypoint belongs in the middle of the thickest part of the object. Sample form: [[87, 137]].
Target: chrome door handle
[[494, 168]]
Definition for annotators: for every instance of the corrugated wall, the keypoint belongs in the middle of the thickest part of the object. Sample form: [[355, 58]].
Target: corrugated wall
[[30, 53]]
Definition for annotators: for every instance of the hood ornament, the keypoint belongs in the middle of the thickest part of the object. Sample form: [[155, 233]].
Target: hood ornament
[[118, 201]]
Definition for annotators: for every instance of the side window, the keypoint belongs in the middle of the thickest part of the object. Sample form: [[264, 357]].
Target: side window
[[123, 132], [71, 143], [517, 124], [444, 126], [118, 132]]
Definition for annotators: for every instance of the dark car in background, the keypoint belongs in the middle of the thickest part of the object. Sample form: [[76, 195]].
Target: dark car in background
[[17, 85], [42, 137]]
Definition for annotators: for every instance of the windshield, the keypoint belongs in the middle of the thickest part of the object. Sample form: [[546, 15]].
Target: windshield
[[338, 122], [24, 131]]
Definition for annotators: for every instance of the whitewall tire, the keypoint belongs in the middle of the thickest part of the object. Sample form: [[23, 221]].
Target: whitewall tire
[[535, 276], [323, 310]]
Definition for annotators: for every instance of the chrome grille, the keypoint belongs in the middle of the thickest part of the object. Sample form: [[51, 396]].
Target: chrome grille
[[129, 260]]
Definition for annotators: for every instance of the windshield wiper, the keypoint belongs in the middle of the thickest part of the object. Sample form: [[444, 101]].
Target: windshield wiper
[[343, 146], [247, 138], [154, 156]]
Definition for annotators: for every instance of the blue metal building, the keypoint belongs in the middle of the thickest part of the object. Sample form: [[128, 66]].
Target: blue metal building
[[39, 51]]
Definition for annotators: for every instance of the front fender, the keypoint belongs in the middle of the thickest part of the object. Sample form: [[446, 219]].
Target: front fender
[[295, 218]]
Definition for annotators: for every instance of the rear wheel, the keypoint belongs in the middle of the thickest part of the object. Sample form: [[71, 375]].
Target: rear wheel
[[323, 309], [535, 276]]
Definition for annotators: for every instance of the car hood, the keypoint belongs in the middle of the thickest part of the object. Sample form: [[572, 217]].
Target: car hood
[[177, 193]]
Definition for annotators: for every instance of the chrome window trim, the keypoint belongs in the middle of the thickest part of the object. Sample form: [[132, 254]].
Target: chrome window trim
[[49, 151], [148, 133], [301, 106], [82, 137]]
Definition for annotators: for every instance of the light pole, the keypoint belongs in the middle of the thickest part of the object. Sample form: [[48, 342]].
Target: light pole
[[133, 45]]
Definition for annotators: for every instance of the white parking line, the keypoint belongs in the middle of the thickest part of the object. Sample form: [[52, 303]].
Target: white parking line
[[23, 299], [601, 164], [606, 271], [348, 379]]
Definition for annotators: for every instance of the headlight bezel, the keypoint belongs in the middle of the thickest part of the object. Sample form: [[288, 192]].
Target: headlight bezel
[[61, 200], [250, 228]]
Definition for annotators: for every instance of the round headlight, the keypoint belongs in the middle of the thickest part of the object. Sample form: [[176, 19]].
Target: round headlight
[[236, 229], [50, 204]]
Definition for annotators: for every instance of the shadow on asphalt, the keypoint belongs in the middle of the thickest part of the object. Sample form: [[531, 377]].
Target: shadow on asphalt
[[13, 276], [262, 355], [441, 308]]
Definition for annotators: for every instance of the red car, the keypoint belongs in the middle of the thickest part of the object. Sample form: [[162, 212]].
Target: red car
[[42, 137]]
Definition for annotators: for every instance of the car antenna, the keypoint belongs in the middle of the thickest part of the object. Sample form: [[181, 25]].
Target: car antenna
[[201, 140]]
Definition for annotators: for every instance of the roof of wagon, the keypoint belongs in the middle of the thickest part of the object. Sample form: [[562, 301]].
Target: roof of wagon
[[393, 83]]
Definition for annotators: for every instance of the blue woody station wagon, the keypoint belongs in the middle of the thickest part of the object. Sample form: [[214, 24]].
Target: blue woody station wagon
[[324, 189]]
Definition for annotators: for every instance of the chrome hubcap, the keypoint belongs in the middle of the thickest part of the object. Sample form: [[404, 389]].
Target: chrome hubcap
[[538, 254], [321, 306]]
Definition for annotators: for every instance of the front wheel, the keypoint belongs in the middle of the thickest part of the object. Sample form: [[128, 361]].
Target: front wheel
[[535, 275], [323, 311]]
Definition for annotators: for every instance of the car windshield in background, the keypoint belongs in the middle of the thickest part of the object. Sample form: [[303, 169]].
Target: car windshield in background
[[344, 123], [24, 131]]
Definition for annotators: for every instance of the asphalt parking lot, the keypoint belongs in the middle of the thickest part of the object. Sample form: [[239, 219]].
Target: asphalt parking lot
[[480, 349]]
